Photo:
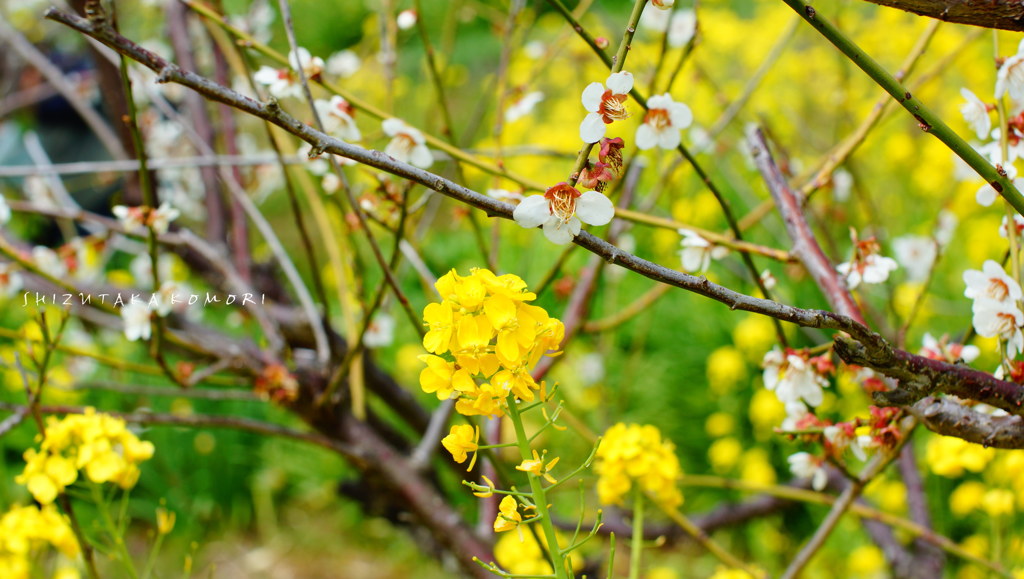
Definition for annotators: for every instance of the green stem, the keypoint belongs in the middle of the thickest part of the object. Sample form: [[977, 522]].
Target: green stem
[[116, 533], [540, 499], [928, 120], [637, 543]]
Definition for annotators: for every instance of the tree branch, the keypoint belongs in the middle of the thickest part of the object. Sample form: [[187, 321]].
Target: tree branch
[[1001, 14]]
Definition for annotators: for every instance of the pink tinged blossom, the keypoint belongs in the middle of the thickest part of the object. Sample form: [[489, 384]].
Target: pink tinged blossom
[[606, 105], [336, 115], [1010, 78], [1000, 319], [136, 321], [407, 144], [976, 114], [696, 253], [991, 284], [804, 465], [663, 4], [662, 123], [561, 210]]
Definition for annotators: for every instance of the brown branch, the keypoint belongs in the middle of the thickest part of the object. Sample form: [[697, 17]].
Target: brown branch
[[1001, 14], [951, 418], [805, 246]]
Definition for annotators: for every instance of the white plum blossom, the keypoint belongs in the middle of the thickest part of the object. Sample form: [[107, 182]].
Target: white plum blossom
[[987, 194], [10, 280], [49, 262], [682, 27], [662, 123], [975, 113], [945, 227], [605, 105], [841, 437], [336, 115], [916, 253], [283, 82], [1000, 319], [1010, 78], [136, 321], [804, 465], [1018, 222], [796, 413], [5, 211], [793, 378], [947, 351], [135, 219], [696, 253], [842, 184], [407, 143], [343, 64], [663, 4], [380, 332], [561, 210], [523, 106], [505, 195], [872, 268], [406, 19], [768, 279], [991, 283]]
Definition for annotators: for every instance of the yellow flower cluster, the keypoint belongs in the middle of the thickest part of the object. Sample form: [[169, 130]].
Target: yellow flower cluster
[[100, 444], [25, 530], [484, 331], [635, 453]]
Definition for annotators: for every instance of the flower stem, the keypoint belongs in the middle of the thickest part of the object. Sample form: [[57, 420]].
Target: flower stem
[[637, 543], [540, 498]]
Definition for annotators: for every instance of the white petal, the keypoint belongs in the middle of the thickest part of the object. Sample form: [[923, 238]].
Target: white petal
[[592, 128], [680, 115], [532, 212], [392, 126], [594, 208], [646, 137], [421, 157], [669, 138], [561, 233], [620, 82], [592, 96], [986, 195]]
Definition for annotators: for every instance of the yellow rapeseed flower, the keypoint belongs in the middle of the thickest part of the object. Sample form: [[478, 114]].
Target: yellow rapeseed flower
[[99, 444], [635, 454], [490, 339], [508, 515], [462, 439]]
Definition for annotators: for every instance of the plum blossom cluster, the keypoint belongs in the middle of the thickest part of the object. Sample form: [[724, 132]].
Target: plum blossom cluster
[[636, 454], [26, 531], [137, 219], [484, 339], [796, 377], [977, 113], [98, 444], [284, 82], [996, 307]]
